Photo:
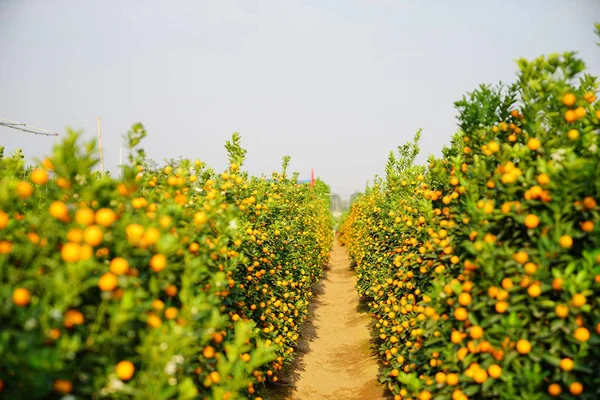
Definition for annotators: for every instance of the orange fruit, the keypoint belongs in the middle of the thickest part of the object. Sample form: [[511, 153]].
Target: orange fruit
[[578, 300], [565, 241], [154, 320], [75, 235], [566, 364], [587, 226], [105, 217], [59, 210], [580, 112], [476, 332], [158, 262], [3, 219], [590, 97], [34, 237], [521, 257], [557, 284], [84, 216], [576, 388], [464, 299], [54, 334], [424, 395], [573, 134], [123, 190], [532, 221], [165, 221], [63, 386], [507, 283], [582, 334], [151, 236], [171, 290], [462, 353], [208, 352], [480, 376], [39, 176], [589, 203], [501, 307], [535, 191], [530, 268], [134, 232], [24, 189], [119, 266], [215, 377], [171, 313], [47, 163], [534, 290], [485, 346], [456, 337], [125, 370], [459, 395], [21, 297], [71, 252], [93, 235], [63, 183], [440, 377], [194, 248], [460, 314], [5, 247], [534, 144], [570, 116], [494, 371], [543, 179], [86, 252], [200, 218], [554, 390], [494, 147], [569, 99], [523, 346], [72, 318], [107, 282], [158, 304], [561, 311], [452, 379]]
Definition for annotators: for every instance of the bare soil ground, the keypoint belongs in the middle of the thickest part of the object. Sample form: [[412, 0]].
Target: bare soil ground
[[333, 359]]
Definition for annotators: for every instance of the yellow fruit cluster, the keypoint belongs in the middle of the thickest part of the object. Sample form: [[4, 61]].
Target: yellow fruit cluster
[[482, 270], [170, 282]]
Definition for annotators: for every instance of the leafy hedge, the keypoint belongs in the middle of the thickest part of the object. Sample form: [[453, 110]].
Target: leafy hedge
[[483, 269], [170, 282]]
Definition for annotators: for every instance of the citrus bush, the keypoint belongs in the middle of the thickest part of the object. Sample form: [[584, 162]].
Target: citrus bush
[[170, 282], [482, 270]]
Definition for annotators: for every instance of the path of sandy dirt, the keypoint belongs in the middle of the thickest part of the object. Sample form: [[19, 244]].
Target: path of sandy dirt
[[334, 361]]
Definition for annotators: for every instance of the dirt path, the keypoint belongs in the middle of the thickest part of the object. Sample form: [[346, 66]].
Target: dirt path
[[336, 362]]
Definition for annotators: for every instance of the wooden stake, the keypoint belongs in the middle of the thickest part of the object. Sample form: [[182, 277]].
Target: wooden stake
[[100, 145]]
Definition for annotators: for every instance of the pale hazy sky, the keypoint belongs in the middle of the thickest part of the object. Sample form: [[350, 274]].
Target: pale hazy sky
[[336, 84]]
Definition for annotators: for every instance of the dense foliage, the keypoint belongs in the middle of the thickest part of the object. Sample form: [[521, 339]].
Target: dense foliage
[[482, 269], [170, 282]]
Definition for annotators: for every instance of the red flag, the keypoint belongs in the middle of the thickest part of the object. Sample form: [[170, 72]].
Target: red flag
[[312, 178]]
